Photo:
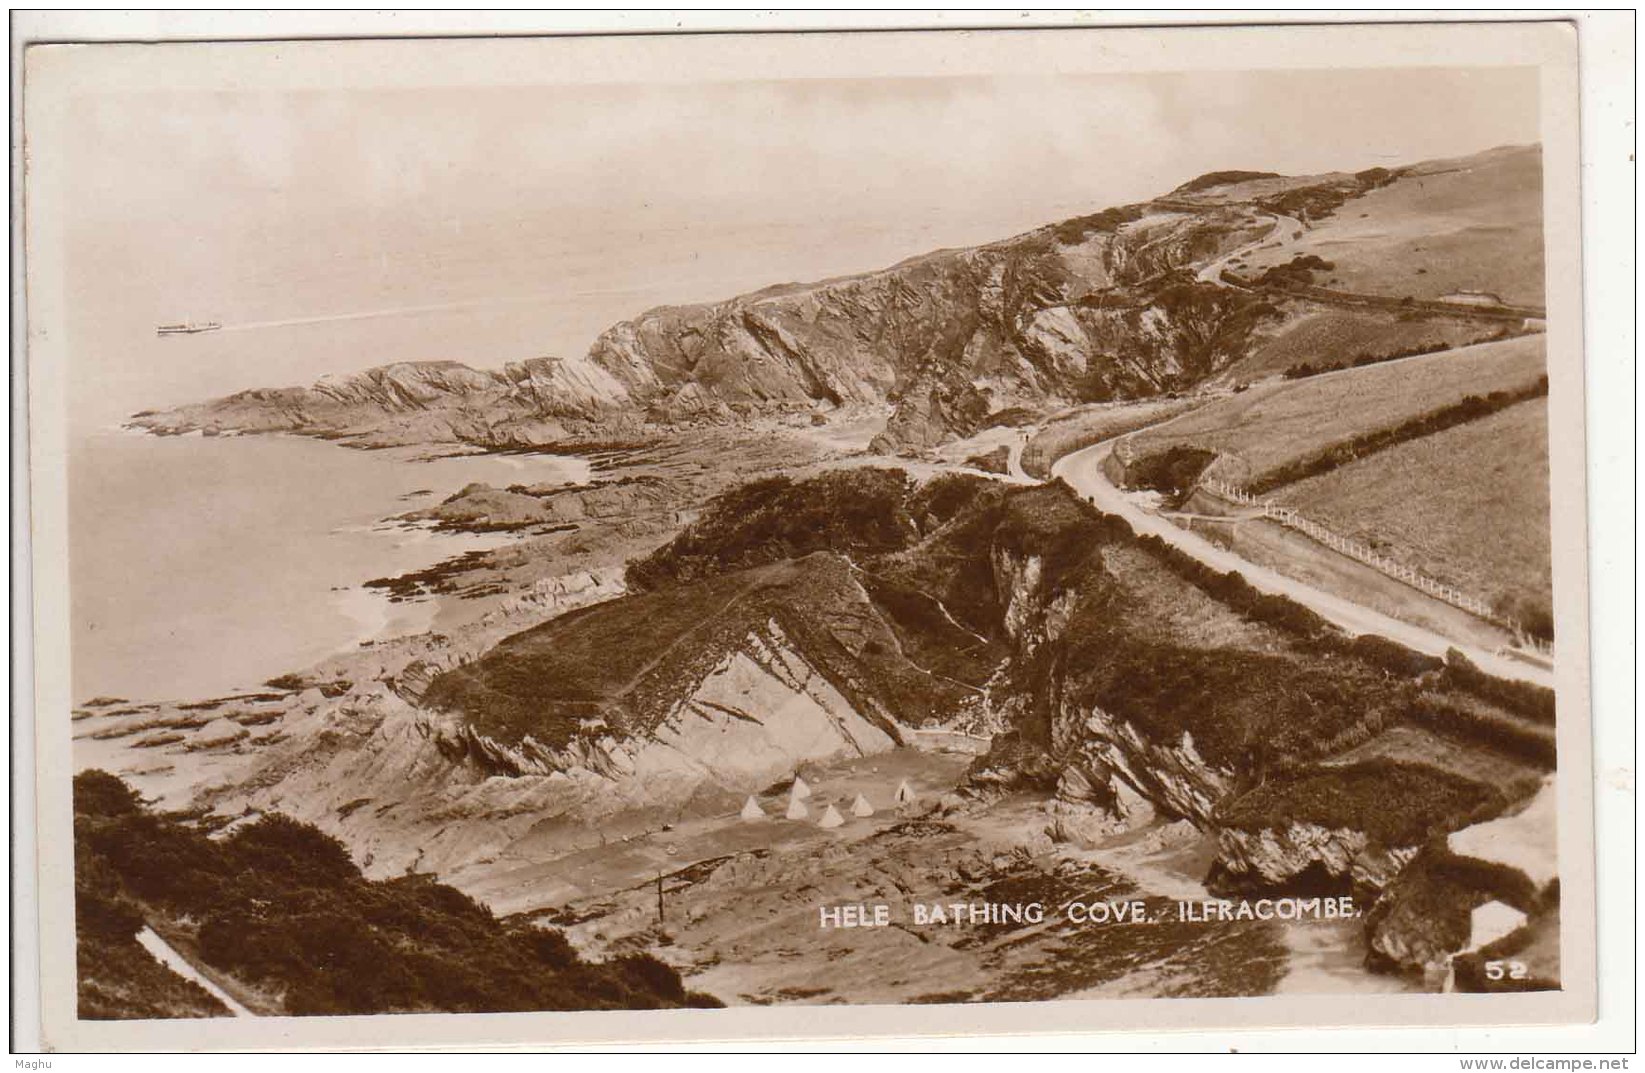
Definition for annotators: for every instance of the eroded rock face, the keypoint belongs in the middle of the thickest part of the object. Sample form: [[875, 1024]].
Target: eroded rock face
[[479, 507], [931, 412], [1034, 611], [758, 714], [523, 404], [952, 336], [1273, 856], [1091, 804], [1173, 776]]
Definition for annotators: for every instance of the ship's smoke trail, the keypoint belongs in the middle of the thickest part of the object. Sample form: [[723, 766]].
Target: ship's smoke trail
[[371, 314]]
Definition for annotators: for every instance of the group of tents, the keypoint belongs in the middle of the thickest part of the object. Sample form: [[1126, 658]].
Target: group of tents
[[799, 810]]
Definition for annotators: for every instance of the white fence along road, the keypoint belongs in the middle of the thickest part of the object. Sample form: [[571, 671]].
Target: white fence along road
[[1083, 472]]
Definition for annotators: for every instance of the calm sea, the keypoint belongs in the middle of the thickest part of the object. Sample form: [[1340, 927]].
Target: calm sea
[[200, 565]]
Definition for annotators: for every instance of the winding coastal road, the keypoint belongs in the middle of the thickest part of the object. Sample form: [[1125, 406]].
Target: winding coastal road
[[1286, 230], [1083, 471]]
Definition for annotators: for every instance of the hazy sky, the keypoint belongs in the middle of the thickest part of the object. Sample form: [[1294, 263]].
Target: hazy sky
[[523, 219]]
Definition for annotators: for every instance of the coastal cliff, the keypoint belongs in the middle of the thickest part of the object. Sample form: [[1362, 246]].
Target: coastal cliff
[[1098, 307]]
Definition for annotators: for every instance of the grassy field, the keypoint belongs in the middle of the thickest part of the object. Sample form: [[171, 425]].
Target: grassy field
[[1326, 337], [1468, 505], [1473, 223], [1278, 422]]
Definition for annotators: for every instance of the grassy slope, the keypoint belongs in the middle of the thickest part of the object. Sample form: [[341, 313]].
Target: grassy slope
[[1469, 504], [1327, 337], [1275, 423], [1473, 223]]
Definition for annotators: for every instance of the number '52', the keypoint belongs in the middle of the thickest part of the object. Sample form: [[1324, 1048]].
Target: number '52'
[[1506, 970]]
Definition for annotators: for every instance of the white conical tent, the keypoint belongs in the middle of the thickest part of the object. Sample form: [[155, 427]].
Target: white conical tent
[[831, 818], [797, 809], [752, 809], [861, 807], [800, 791], [905, 793]]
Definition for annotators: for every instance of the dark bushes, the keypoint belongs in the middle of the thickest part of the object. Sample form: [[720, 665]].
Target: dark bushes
[[1075, 231], [1460, 718], [1533, 614], [280, 844], [1222, 178], [1172, 472], [1393, 657], [853, 511], [1522, 698], [944, 496], [97, 793], [279, 906], [1395, 803], [1298, 270]]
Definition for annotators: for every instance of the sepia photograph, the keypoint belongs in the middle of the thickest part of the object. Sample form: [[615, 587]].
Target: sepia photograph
[[936, 522]]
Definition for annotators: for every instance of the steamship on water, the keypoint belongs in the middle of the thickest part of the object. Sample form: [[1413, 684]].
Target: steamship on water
[[188, 328]]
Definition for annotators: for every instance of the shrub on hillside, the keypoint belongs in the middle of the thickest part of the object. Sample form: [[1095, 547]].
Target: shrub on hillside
[[1531, 701], [854, 511], [1534, 615], [97, 793], [1462, 717], [1298, 271], [1395, 803], [279, 906], [1222, 178], [1075, 231], [1393, 657], [1172, 472]]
